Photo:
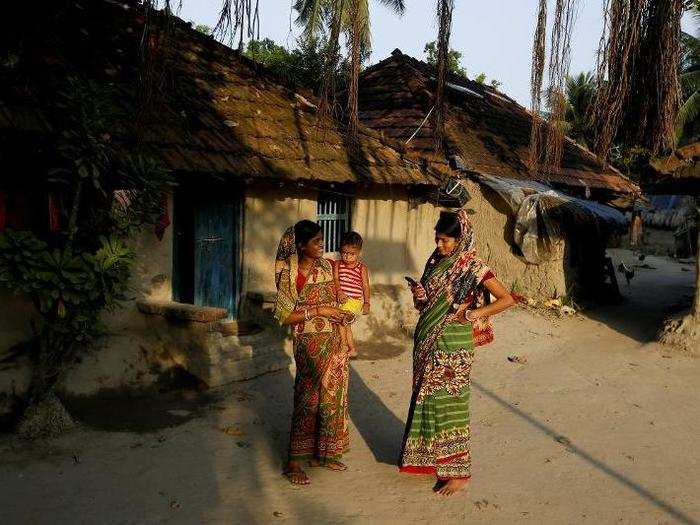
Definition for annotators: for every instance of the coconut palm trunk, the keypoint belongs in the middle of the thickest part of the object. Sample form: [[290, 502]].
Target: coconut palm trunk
[[327, 92], [355, 59], [340, 16], [444, 13]]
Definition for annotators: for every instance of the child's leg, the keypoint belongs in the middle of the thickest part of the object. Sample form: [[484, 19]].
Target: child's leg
[[352, 349], [344, 345]]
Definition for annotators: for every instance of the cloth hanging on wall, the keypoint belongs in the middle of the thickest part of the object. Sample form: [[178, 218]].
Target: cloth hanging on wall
[[164, 219]]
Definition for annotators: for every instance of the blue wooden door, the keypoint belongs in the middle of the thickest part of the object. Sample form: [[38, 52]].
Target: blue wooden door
[[216, 254]]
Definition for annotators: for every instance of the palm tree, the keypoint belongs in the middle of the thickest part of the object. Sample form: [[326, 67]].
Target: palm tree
[[580, 92], [352, 18], [687, 127], [444, 15]]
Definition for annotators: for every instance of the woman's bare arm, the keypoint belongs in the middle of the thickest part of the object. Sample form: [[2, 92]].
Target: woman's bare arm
[[335, 315], [504, 300]]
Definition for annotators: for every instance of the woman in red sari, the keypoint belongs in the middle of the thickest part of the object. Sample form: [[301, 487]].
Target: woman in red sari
[[307, 300]]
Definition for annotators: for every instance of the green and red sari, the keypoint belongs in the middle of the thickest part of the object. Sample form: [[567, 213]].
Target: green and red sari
[[320, 414], [437, 434]]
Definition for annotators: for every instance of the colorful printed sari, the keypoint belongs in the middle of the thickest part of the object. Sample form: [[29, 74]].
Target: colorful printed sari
[[436, 440], [320, 415]]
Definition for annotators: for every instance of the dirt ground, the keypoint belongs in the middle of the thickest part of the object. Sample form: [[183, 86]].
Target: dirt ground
[[599, 425]]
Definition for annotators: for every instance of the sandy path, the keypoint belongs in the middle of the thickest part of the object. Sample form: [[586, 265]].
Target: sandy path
[[599, 426]]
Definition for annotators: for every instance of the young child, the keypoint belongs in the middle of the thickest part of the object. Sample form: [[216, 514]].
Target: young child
[[352, 282]]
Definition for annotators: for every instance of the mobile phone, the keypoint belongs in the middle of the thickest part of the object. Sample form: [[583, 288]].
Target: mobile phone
[[411, 281]]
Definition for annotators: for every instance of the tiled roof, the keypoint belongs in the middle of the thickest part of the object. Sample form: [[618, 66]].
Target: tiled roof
[[217, 112], [489, 131], [678, 173]]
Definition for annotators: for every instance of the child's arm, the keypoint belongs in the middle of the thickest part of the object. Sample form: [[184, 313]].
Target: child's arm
[[366, 292], [336, 277]]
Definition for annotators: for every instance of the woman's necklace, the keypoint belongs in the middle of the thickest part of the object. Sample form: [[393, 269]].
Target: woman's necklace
[[306, 269]]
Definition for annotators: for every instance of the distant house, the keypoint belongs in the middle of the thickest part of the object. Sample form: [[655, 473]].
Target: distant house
[[674, 182], [487, 141]]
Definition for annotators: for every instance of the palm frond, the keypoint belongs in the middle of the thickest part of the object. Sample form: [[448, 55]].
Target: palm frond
[[397, 6], [311, 17], [690, 81], [690, 110]]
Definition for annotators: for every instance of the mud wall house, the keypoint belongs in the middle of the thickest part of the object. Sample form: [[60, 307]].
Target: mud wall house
[[669, 225], [487, 143], [250, 158], [679, 174], [673, 217]]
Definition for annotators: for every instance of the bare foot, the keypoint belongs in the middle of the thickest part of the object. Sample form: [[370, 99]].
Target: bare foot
[[295, 474], [352, 352], [450, 487], [330, 465]]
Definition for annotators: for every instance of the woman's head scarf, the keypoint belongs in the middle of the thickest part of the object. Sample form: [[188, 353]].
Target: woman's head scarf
[[286, 267], [458, 274]]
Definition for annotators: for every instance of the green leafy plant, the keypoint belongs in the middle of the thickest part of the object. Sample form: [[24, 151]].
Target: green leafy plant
[[73, 276], [454, 58], [302, 66]]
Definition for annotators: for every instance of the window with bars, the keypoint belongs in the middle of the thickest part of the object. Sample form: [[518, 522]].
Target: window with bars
[[334, 217]]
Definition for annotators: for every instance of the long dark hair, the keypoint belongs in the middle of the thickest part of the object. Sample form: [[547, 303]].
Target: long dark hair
[[304, 231], [448, 224]]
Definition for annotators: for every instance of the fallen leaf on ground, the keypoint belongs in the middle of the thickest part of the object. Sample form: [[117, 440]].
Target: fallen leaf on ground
[[243, 444], [231, 431], [277, 514], [517, 359], [174, 505], [553, 303]]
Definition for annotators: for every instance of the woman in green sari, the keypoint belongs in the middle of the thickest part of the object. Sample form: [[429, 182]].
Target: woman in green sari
[[454, 319], [307, 300]]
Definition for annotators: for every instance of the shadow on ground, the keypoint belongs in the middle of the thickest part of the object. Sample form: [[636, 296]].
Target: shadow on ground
[[658, 289], [649, 496], [376, 423], [142, 414]]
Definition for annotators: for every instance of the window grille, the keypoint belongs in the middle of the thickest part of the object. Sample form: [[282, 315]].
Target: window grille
[[334, 218]]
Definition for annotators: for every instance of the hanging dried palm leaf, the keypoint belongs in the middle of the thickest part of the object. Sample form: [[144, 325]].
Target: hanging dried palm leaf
[[151, 76], [356, 23], [238, 19], [327, 90], [638, 75], [444, 14], [559, 61], [536, 77]]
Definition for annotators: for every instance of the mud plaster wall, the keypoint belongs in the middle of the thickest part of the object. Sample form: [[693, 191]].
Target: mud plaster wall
[[494, 232], [398, 239], [268, 212]]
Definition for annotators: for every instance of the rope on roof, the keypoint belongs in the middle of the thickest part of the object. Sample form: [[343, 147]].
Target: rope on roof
[[421, 125]]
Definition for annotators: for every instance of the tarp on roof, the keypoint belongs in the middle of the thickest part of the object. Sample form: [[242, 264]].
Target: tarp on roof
[[543, 214]]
